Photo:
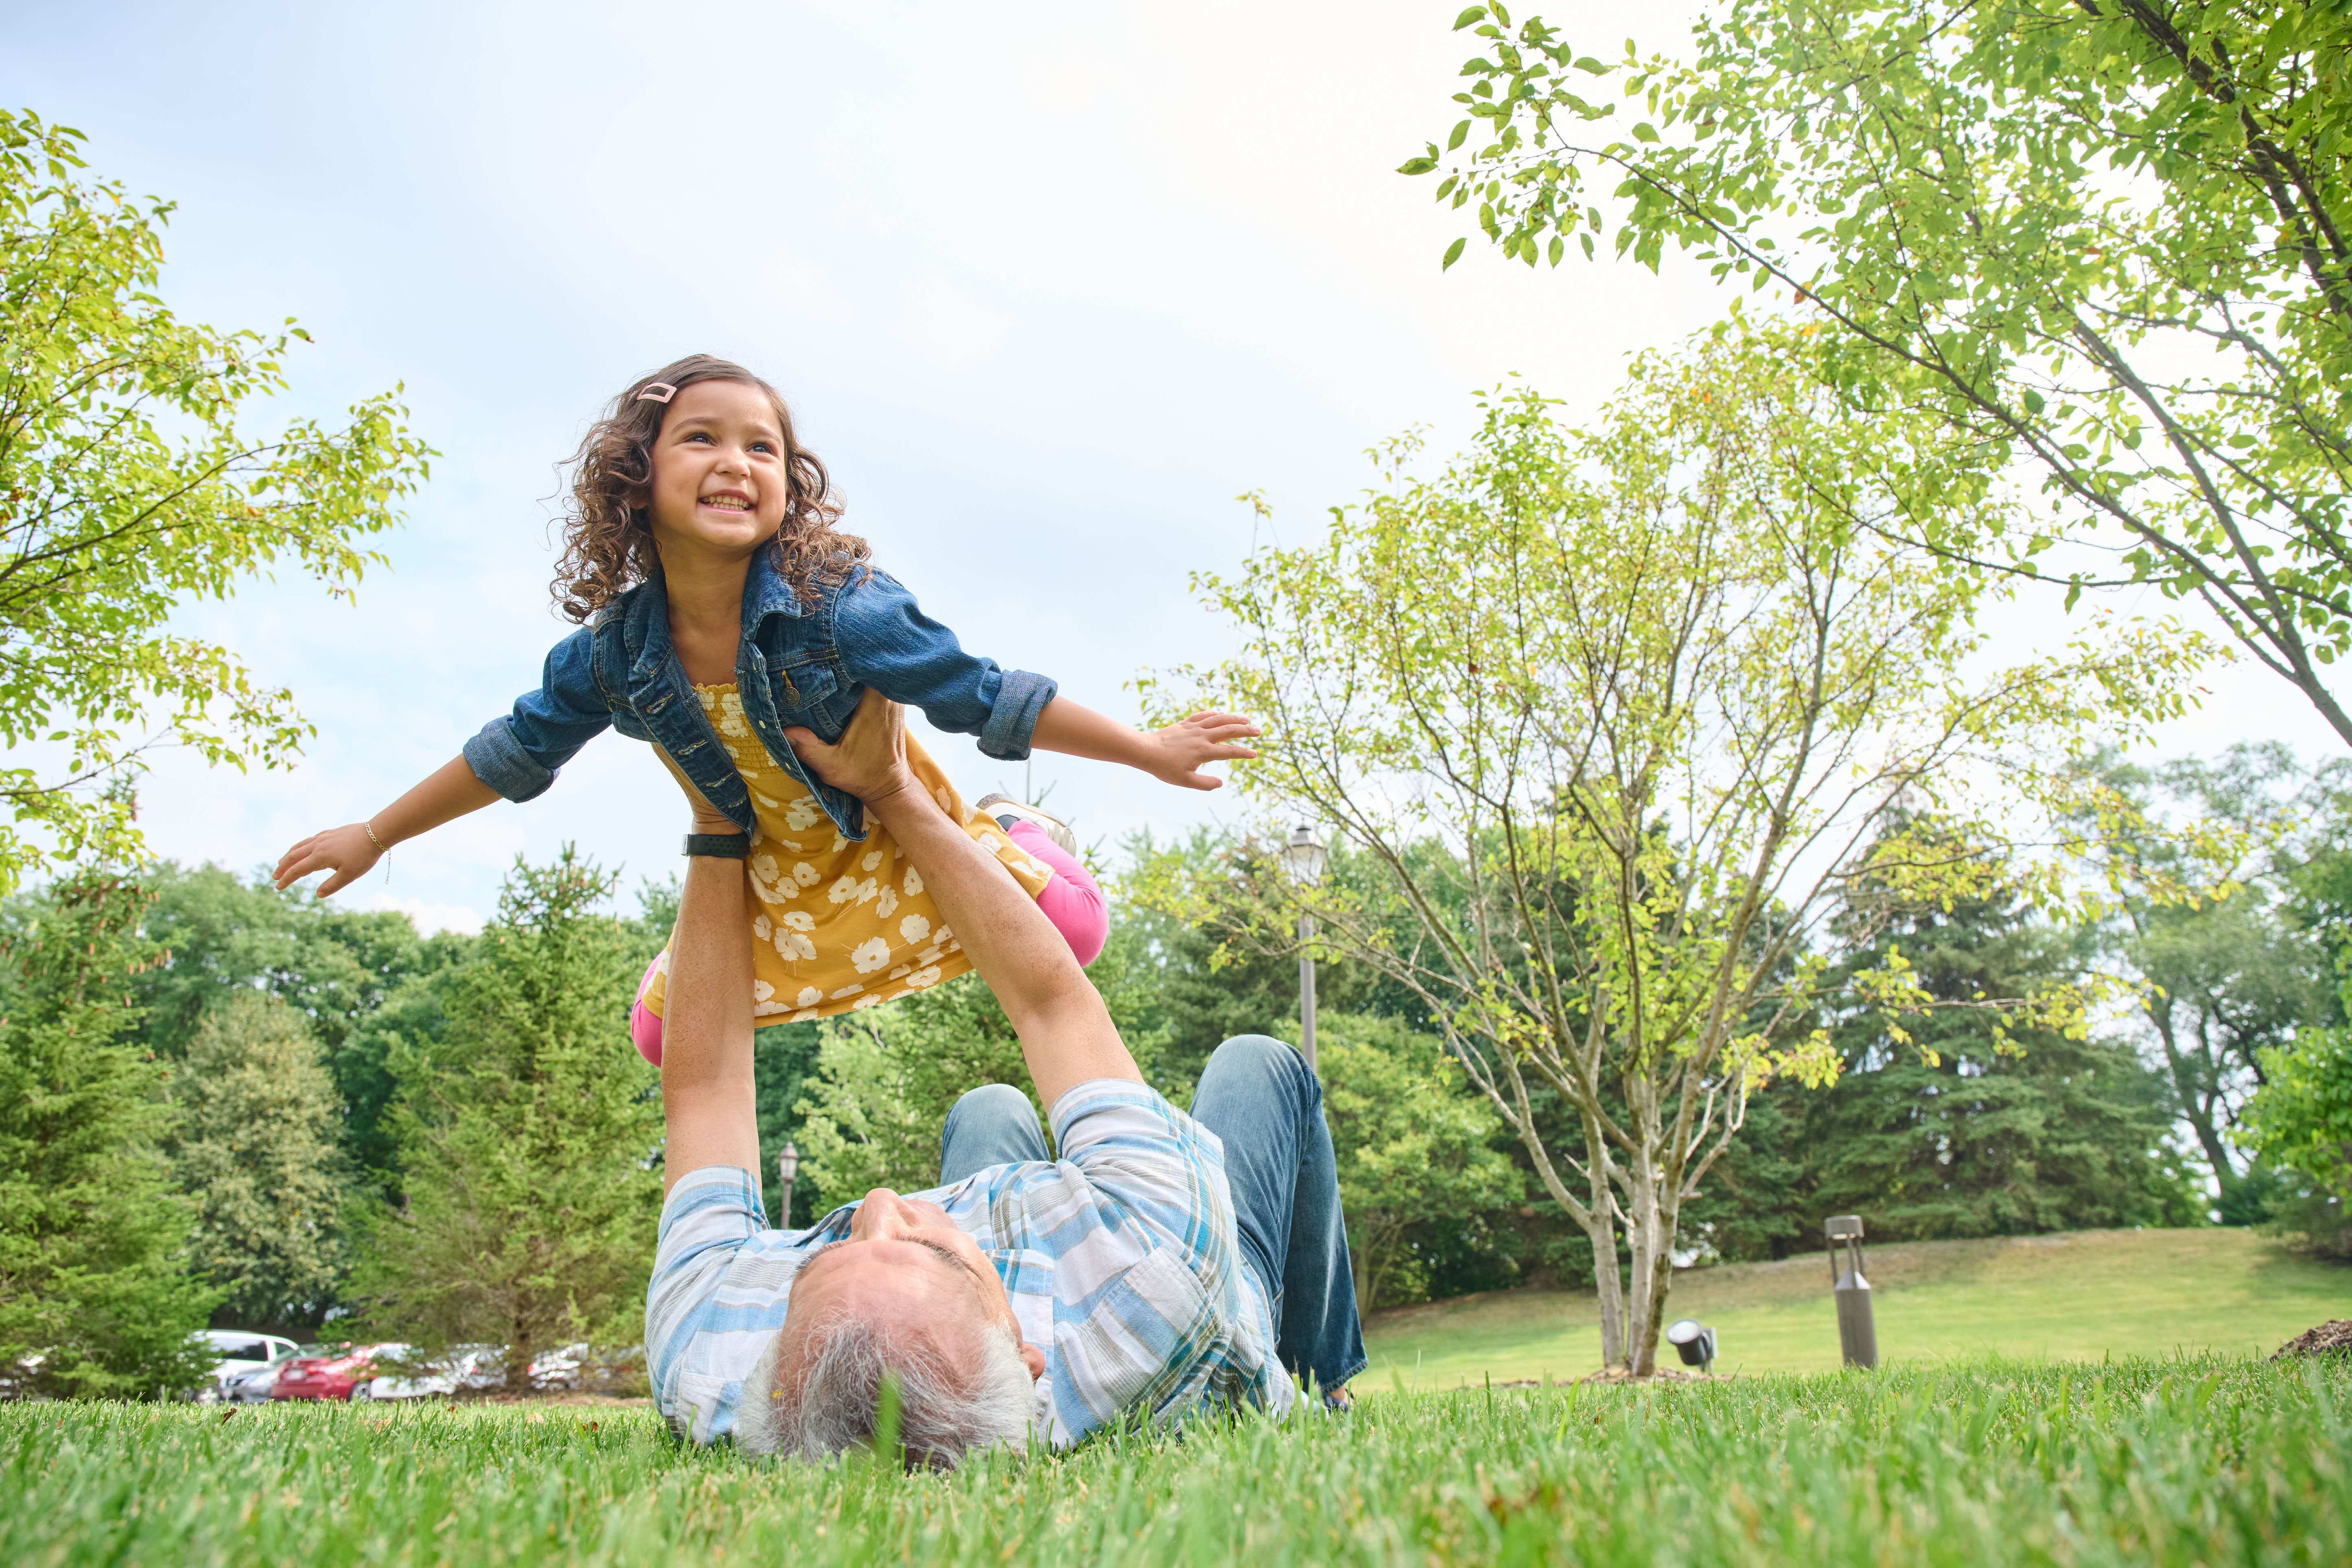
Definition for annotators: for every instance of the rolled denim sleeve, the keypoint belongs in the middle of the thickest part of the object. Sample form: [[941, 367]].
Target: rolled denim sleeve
[[518, 752], [886, 642]]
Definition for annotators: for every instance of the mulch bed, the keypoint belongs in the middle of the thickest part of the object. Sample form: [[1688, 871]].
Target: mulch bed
[[2334, 1338]]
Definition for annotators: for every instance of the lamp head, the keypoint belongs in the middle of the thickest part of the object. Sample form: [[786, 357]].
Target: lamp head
[[1844, 1228], [788, 1164], [1304, 857], [1693, 1341]]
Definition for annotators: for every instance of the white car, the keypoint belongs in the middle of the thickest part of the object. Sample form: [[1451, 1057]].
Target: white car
[[240, 1353], [468, 1366]]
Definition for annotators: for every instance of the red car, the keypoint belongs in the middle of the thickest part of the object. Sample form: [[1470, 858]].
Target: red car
[[326, 1371]]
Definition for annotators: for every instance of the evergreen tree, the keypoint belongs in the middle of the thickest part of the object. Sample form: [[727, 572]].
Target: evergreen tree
[[95, 1296], [528, 1137], [338, 968], [1958, 1132], [254, 1149]]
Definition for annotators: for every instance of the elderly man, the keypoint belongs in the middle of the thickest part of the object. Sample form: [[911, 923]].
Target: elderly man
[[1163, 1262]]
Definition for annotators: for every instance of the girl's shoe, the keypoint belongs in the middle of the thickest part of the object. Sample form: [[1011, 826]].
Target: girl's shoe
[[1008, 811]]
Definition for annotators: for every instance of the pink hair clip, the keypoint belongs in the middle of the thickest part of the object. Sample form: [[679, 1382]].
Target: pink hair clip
[[657, 392]]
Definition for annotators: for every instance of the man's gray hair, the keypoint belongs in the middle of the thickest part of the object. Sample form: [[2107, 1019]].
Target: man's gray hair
[[944, 1412]]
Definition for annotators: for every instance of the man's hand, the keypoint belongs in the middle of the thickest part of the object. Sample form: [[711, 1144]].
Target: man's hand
[[1178, 751], [869, 760]]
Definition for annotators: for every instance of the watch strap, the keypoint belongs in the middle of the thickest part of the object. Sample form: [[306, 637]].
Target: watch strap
[[719, 845]]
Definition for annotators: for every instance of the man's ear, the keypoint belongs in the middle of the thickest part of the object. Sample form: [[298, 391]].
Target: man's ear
[[1034, 1359]]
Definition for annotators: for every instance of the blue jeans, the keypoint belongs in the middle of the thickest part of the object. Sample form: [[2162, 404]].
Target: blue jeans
[[1263, 1104]]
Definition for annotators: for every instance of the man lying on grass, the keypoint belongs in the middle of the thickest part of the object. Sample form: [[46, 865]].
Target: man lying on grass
[[1163, 1262]]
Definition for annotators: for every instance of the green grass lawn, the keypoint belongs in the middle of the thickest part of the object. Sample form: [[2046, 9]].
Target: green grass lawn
[[2077, 1297], [2198, 1460]]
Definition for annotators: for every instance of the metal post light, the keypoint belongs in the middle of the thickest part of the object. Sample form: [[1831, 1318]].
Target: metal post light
[[788, 1165], [1857, 1333], [1304, 858]]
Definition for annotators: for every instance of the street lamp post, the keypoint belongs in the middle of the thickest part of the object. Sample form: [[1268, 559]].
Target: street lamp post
[[1304, 858], [788, 1165]]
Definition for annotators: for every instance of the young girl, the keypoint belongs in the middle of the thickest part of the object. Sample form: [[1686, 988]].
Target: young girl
[[721, 608]]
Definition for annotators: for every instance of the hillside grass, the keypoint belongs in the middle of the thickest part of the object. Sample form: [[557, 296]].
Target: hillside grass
[[2076, 1297], [2201, 1460]]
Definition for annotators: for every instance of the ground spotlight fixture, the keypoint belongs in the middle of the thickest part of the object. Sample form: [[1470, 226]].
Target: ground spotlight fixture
[[1693, 1342]]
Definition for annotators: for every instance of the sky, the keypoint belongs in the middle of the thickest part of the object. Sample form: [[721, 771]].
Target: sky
[[1047, 286]]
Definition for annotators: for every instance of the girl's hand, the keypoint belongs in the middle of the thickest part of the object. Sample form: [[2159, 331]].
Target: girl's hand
[[1176, 753], [347, 851]]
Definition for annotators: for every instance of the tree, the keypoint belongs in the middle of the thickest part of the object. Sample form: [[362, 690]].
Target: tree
[[1415, 1166], [252, 1148], [528, 1133], [127, 488], [2224, 979], [359, 980], [1617, 714], [95, 1297], [2110, 239]]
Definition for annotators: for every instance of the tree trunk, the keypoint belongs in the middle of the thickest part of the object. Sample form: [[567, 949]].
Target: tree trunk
[[1359, 1262]]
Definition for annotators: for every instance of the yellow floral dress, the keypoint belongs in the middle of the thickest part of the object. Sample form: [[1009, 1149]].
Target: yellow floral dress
[[836, 926]]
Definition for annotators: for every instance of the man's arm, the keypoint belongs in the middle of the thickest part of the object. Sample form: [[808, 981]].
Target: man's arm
[[1066, 1034], [709, 1098]]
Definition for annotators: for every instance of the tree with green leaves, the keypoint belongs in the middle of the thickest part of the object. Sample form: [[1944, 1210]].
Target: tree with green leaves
[[95, 1298], [2109, 239], [1616, 714], [1417, 1167], [528, 1133], [364, 981], [2226, 978], [128, 488], [253, 1147]]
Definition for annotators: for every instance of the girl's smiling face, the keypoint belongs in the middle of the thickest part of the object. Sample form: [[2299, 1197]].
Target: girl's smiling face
[[718, 481]]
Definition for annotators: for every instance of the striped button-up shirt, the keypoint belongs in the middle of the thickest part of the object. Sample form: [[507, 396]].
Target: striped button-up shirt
[[1120, 1258]]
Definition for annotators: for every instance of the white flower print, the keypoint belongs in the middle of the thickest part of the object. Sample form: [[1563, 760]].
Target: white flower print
[[888, 903], [922, 977], [806, 1015], [914, 928], [1036, 871], [793, 946], [809, 997], [761, 927], [870, 954], [847, 991], [872, 862], [990, 842], [799, 920], [806, 875], [730, 717], [868, 1002], [763, 800], [763, 1001], [803, 814], [914, 883]]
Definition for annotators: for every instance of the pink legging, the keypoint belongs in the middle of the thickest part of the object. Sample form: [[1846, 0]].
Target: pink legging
[[1070, 900]]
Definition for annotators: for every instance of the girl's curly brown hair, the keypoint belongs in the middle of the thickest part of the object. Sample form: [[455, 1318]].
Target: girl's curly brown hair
[[608, 537]]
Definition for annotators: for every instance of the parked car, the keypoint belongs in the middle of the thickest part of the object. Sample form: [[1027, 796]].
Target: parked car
[[558, 1368], [240, 1352], [327, 1372], [468, 1366], [251, 1387]]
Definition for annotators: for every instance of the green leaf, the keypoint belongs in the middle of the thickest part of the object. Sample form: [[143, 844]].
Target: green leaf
[[1416, 165], [1644, 132], [1461, 134], [1475, 14], [1587, 63], [1454, 252]]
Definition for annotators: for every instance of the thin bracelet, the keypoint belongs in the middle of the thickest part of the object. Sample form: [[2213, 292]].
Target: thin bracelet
[[381, 847]]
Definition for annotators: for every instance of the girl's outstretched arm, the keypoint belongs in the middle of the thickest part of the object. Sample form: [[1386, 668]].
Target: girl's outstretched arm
[[449, 792], [1174, 754]]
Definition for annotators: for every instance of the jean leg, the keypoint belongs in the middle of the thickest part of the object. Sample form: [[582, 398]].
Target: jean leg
[[1263, 1104], [992, 1125]]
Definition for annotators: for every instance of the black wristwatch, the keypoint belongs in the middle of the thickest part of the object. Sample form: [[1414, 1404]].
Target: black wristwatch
[[719, 845]]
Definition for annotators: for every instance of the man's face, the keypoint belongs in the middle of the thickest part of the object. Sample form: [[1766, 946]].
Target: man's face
[[905, 1263]]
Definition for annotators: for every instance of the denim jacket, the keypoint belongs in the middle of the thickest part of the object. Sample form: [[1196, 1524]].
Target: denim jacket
[[804, 665]]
